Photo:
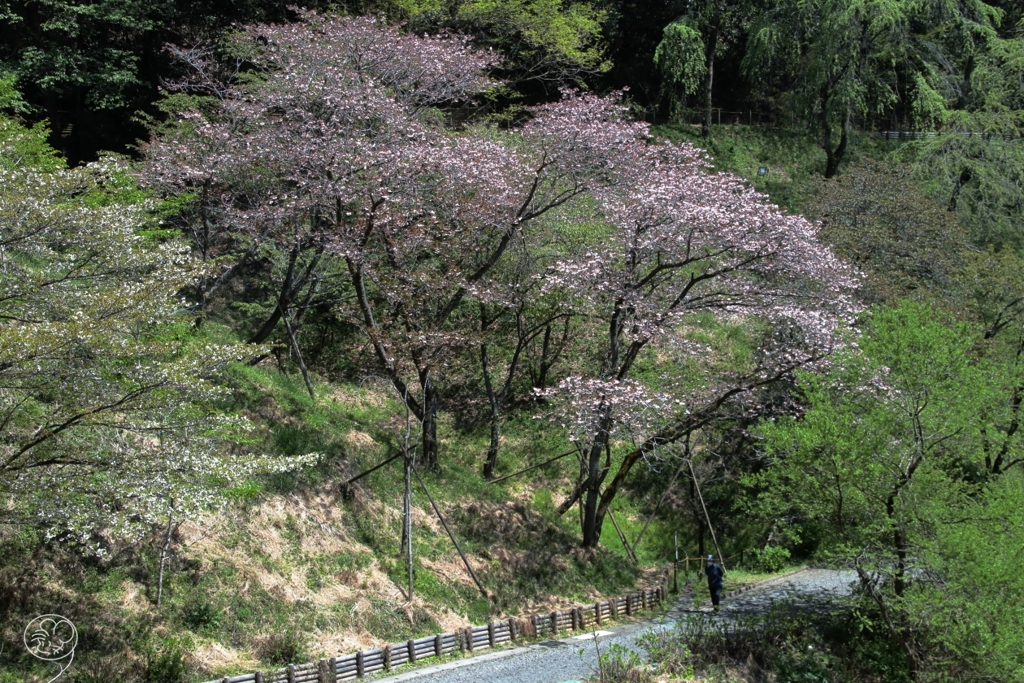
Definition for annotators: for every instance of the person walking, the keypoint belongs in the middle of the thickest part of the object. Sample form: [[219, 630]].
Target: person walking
[[715, 574]]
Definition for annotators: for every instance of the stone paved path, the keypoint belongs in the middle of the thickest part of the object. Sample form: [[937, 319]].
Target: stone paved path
[[575, 657]]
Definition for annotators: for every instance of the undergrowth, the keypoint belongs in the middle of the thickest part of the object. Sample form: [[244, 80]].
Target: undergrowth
[[784, 645]]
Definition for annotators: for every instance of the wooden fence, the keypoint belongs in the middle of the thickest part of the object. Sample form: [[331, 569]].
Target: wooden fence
[[925, 135], [469, 639]]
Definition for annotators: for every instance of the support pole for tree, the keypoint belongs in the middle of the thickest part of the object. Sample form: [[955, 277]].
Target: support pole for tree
[[371, 470], [533, 467], [407, 500], [163, 559], [661, 500], [437, 511], [622, 537], [675, 567], [298, 353], [721, 559], [407, 522]]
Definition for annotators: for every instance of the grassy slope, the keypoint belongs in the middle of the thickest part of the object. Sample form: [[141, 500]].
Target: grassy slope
[[291, 570]]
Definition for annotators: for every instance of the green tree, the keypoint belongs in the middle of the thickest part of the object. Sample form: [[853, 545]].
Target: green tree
[[545, 43], [877, 217], [888, 463], [976, 166], [690, 45], [680, 58], [873, 60]]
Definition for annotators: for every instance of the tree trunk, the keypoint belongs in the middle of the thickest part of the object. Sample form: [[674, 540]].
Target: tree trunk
[[290, 289], [550, 352], [834, 157], [430, 451], [965, 177], [492, 451], [592, 520], [712, 47]]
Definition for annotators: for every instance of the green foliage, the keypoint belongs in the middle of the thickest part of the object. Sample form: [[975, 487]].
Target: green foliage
[[546, 41], [24, 147], [619, 664], [283, 648], [791, 645], [680, 58], [894, 459], [832, 60], [10, 97], [201, 616], [166, 661], [878, 218], [770, 560]]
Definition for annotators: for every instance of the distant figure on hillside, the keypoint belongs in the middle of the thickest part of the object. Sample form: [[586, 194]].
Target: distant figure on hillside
[[715, 575]]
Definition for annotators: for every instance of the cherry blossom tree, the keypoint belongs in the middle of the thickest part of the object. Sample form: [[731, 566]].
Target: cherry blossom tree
[[681, 241], [339, 149]]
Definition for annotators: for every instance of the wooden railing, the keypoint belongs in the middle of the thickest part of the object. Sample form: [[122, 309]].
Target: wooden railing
[[469, 639], [924, 135]]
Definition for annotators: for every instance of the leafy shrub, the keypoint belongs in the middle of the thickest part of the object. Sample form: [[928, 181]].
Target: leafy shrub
[[165, 661], [621, 665], [769, 560], [281, 648], [785, 645], [200, 616]]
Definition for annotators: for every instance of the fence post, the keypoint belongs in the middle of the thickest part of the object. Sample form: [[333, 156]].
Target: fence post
[[438, 646], [629, 604], [412, 651], [387, 658], [360, 664], [613, 608], [469, 638], [535, 621], [597, 613], [291, 673], [490, 633], [259, 677], [512, 629], [554, 623], [643, 599]]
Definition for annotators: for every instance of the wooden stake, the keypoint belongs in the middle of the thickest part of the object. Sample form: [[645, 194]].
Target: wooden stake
[[532, 467], [622, 537], [437, 511], [721, 559]]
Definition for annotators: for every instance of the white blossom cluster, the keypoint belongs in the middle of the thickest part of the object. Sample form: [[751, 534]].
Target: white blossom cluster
[[107, 397]]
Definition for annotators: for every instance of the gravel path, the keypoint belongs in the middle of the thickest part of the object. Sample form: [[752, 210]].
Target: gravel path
[[575, 657]]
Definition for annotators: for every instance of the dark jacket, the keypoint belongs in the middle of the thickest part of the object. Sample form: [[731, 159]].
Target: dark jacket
[[715, 573]]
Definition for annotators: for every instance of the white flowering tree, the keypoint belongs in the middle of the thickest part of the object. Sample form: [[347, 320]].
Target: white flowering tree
[[107, 397], [681, 241]]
